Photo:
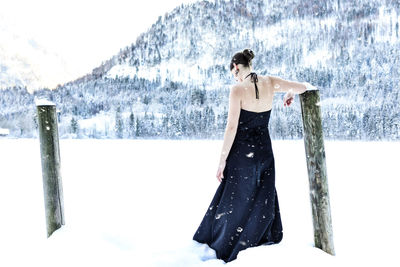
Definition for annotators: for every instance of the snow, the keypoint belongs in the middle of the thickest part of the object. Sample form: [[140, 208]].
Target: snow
[[317, 58], [139, 202], [4, 131], [44, 102], [173, 69], [309, 87], [100, 122], [386, 25]]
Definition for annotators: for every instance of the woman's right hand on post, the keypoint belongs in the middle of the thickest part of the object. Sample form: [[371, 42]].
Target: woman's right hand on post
[[288, 98]]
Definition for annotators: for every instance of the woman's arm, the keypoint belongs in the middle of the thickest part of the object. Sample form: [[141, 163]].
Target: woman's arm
[[281, 85], [230, 130], [232, 122]]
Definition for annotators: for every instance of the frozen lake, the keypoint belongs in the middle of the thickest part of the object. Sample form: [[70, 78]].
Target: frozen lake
[[139, 202]]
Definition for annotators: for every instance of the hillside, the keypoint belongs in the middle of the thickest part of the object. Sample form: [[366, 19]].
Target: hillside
[[174, 81]]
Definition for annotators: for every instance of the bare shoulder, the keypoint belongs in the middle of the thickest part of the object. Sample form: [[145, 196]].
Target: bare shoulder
[[237, 89], [266, 79], [274, 79]]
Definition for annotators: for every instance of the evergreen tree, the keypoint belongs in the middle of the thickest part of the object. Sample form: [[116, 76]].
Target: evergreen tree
[[131, 125], [138, 127], [74, 126], [119, 124]]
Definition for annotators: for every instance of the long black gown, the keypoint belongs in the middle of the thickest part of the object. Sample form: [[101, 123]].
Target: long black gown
[[244, 211]]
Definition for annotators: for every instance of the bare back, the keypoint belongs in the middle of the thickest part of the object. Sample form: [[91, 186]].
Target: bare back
[[248, 100]]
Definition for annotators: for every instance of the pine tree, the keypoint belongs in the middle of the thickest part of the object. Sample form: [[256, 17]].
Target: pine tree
[[119, 124], [138, 127], [131, 125], [74, 126]]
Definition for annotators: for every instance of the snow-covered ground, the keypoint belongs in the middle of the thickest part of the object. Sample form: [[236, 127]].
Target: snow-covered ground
[[139, 202]]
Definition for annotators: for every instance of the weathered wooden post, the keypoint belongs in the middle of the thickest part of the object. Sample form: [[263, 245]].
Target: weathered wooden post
[[316, 166], [50, 155]]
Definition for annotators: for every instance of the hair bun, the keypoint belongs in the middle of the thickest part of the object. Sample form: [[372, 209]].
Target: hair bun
[[249, 54]]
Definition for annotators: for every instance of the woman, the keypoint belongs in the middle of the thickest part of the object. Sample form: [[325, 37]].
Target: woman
[[245, 210]]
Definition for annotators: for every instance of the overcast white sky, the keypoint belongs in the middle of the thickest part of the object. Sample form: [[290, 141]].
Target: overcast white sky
[[84, 32]]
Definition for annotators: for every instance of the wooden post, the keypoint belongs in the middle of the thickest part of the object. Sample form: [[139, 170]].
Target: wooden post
[[50, 155], [316, 166]]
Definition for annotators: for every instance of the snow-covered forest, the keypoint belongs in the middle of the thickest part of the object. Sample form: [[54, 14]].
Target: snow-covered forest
[[174, 81]]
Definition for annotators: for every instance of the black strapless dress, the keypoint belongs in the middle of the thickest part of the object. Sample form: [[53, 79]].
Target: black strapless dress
[[244, 211]]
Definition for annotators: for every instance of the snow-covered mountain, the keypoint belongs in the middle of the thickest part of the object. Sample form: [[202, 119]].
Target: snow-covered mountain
[[174, 80], [194, 44], [25, 62]]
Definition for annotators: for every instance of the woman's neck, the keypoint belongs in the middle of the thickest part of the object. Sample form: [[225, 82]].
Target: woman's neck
[[246, 75]]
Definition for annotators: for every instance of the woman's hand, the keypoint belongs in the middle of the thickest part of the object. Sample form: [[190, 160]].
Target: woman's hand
[[288, 98], [220, 171]]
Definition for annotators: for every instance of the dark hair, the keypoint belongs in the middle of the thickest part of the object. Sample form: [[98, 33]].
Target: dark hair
[[244, 58]]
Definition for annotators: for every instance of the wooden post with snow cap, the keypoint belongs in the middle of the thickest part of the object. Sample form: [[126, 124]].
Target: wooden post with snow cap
[[316, 166], [50, 155]]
